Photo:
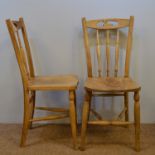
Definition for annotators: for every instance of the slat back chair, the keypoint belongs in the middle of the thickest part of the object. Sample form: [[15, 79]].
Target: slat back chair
[[32, 83], [111, 83], [23, 54]]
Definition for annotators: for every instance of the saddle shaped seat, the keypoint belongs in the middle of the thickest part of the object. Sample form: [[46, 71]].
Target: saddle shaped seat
[[111, 84], [56, 82]]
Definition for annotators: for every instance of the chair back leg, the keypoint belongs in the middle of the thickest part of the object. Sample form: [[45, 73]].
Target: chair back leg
[[73, 117], [137, 120], [26, 119], [85, 115]]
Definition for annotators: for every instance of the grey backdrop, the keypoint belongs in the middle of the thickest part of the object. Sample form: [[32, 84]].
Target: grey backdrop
[[55, 34]]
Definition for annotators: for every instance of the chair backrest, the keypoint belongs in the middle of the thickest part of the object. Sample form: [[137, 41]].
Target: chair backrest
[[110, 29], [18, 34]]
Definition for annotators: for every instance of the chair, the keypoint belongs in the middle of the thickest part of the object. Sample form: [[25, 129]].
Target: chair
[[32, 83], [109, 84]]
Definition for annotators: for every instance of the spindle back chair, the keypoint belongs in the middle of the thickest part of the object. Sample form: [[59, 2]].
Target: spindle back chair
[[111, 83], [108, 25], [32, 83]]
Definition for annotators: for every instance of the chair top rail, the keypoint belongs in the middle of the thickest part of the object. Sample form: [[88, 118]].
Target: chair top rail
[[107, 24]]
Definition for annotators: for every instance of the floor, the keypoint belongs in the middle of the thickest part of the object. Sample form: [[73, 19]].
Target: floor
[[56, 140]]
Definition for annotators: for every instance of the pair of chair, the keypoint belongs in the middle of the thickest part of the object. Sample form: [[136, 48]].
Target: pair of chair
[[94, 85]]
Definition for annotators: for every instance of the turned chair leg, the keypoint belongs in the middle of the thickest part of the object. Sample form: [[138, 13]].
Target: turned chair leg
[[73, 117], [85, 115], [26, 118], [90, 105], [126, 104], [137, 120], [75, 107], [32, 105]]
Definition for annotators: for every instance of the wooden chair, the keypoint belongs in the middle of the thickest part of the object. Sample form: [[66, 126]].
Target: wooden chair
[[110, 84], [32, 83]]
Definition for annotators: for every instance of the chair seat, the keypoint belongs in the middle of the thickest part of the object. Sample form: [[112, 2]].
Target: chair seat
[[111, 84], [59, 82]]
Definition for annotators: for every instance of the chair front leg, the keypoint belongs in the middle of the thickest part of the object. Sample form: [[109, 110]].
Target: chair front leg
[[73, 117], [26, 119], [137, 120], [85, 115]]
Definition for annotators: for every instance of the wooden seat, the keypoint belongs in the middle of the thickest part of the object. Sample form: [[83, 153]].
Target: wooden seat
[[32, 83], [111, 84], [61, 82], [108, 45]]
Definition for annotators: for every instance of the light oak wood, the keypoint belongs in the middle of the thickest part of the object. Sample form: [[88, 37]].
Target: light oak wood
[[137, 120], [100, 94], [59, 82], [98, 52], [95, 24], [126, 105], [108, 51], [32, 100], [53, 109], [96, 114], [111, 84], [87, 48], [73, 117], [49, 118], [121, 115], [117, 54], [109, 27], [26, 118], [85, 116], [129, 46], [117, 123], [32, 83]]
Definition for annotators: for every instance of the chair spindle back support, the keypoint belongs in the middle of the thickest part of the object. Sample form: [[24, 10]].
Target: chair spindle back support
[[108, 25], [23, 54]]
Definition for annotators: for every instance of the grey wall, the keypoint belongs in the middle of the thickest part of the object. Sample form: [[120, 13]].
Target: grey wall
[[55, 34]]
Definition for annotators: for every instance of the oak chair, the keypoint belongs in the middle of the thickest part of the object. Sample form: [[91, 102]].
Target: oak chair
[[108, 83], [32, 83]]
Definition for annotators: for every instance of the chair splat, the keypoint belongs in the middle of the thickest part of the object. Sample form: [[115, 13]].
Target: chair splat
[[116, 53], [98, 52], [108, 51]]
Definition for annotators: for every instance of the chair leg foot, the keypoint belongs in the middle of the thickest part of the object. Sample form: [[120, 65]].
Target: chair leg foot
[[24, 133], [82, 148], [137, 121], [85, 116], [26, 122]]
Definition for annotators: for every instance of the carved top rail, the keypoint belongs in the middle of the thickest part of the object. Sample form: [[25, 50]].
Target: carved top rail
[[110, 23]]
